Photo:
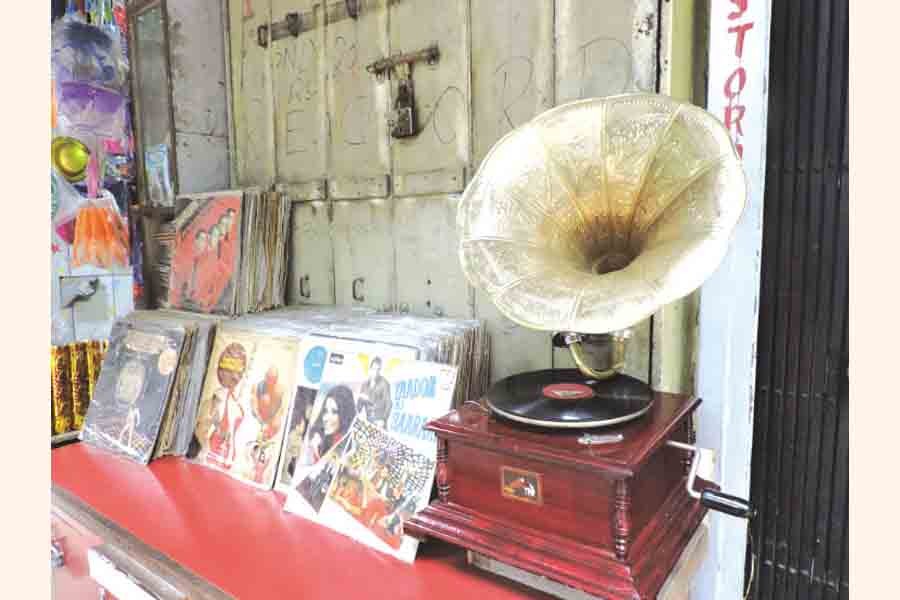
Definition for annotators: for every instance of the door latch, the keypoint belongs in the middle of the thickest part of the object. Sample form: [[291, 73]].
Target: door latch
[[402, 121]]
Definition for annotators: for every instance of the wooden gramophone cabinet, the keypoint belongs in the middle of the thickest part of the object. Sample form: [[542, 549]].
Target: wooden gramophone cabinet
[[610, 518]]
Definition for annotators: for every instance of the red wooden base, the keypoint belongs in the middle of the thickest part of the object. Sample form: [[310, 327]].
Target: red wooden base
[[583, 567], [611, 520]]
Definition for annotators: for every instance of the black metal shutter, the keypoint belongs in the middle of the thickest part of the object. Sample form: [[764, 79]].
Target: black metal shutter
[[800, 442]]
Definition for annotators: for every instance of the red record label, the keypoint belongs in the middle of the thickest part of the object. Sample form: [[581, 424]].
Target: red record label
[[567, 391]]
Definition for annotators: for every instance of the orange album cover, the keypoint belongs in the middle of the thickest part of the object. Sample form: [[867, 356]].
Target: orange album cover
[[206, 254]]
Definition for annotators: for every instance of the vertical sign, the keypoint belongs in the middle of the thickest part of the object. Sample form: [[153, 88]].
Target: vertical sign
[[731, 68], [729, 307]]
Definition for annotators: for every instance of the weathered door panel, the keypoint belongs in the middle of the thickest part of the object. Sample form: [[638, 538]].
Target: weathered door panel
[[514, 349], [311, 277], [512, 81], [298, 74], [512, 67], [252, 94], [441, 90], [605, 48], [429, 278], [357, 104], [363, 253]]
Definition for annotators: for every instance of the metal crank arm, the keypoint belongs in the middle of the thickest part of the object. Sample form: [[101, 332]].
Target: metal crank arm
[[711, 499]]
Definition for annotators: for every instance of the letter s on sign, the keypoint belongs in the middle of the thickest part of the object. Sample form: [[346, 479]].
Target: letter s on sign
[[741, 9]]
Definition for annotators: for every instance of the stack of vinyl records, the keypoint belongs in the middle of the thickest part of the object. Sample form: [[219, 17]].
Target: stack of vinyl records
[[237, 394], [227, 255], [269, 377], [264, 260], [184, 398], [462, 343], [162, 266], [146, 396]]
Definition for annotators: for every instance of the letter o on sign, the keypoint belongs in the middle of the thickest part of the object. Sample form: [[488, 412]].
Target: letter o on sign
[[741, 74]]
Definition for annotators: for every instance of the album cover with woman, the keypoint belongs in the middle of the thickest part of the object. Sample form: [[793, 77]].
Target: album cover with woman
[[385, 389], [206, 253], [133, 389], [346, 378], [248, 388]]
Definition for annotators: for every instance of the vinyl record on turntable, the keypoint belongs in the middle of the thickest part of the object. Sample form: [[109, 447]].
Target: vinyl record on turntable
[[565, 398]]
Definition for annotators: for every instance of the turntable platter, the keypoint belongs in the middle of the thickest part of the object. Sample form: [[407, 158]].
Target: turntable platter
[[565, 398]]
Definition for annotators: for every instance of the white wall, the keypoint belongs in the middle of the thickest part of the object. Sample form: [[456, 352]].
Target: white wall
[[729, 301]]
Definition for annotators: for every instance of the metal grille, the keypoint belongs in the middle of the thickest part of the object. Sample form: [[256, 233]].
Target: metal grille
[[800, 444]]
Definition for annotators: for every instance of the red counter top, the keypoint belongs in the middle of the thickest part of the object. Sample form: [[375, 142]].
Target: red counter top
[[240, 539]]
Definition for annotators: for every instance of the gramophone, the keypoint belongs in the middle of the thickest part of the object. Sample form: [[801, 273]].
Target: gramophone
[[584, 222]]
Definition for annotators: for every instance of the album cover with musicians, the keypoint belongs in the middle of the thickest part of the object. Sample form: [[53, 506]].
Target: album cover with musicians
[[380, 482], [206, 254], [133, 389], [247, 391]]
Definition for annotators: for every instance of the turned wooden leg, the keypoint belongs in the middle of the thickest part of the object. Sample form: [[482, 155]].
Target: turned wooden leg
[[622, 519], [443, 472]]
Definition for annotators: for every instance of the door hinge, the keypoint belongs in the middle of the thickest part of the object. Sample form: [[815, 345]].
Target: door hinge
[[291, 25]]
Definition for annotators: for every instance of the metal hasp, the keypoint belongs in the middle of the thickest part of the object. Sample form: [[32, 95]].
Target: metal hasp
[[711, 499], [402, 121], [289, 26]]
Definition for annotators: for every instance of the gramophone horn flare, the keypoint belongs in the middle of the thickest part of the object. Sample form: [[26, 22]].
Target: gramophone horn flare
[[596, 213]]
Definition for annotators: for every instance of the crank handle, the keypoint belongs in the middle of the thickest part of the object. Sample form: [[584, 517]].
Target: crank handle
[[712, 499]]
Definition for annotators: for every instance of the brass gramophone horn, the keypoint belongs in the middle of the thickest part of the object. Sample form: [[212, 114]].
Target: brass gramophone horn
[[595, 214]]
